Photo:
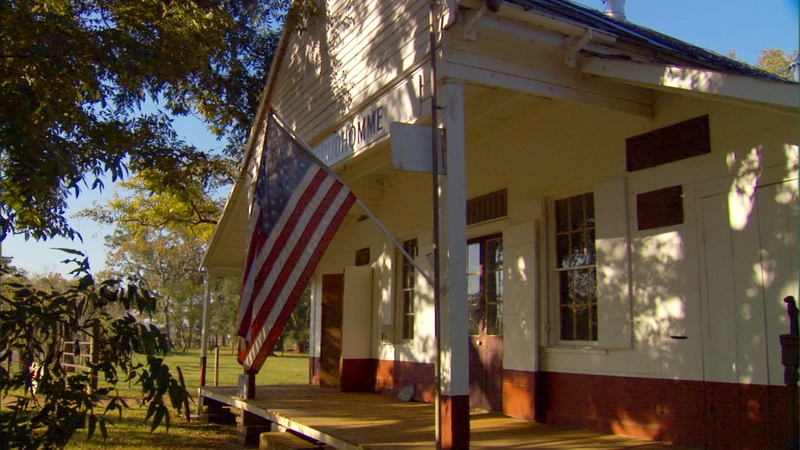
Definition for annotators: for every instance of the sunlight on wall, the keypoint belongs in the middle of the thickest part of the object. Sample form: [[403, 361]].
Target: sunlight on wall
[[660, 309], [741, 196], [787, 193], [691, 79], [663, 248], [522, 269], [383, 265], [670, 308]]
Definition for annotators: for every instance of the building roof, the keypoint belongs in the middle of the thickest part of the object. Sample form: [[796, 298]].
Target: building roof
[[667, 45]]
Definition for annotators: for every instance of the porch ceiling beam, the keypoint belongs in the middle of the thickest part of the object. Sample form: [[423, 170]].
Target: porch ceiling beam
[[489, 71], [737, 89]]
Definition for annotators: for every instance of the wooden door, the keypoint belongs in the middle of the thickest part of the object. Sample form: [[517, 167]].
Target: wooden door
[[330, 353], [751, 263], [485, 297]]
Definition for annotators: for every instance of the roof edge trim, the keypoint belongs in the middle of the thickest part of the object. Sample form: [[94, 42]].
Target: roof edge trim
[[782, 97]]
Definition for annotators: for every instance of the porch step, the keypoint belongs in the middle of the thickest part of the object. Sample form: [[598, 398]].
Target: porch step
[[276, 440]]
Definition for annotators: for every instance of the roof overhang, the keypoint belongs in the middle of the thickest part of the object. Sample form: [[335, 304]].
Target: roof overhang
[[775, 96], [227, 248]]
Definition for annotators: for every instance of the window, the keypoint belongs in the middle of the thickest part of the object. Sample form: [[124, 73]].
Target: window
[[575, 268], [406, 294], [485, 285]]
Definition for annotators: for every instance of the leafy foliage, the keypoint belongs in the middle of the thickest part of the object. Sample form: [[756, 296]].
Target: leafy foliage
[[159, 238], [79, 79], [50, 400], [776, 61], [297, 328]]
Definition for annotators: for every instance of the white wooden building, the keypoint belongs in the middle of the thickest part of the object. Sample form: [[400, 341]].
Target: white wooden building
[[618, 219]]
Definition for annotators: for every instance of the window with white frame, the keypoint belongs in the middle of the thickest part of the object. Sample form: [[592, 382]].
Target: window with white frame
[[406, 292], [575, 269]]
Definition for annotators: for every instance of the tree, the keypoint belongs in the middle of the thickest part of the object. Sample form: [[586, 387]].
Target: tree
[[297, 328], [776, 61], [50, 402], [89, 89], [79, 79], [772, 60], [159, 238], [223, 308]]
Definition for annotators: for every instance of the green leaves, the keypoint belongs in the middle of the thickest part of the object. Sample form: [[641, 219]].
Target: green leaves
[[78, 79], [53, 401]]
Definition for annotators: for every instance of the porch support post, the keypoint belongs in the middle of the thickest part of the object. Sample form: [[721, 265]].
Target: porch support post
[[453, 315], [209, 280]]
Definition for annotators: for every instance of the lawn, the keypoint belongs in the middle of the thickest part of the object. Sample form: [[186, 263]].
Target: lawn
[[289, 368], [132, 433]]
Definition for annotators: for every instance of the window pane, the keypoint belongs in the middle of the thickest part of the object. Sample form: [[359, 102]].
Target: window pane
[[578, 249], [575, 260], [589, 208], [475, 316], [474, 300], [494, 255], [497, 294], [576, 213], [564, 288], [494, 318], [585, 286], [567, 323], [562, 251], [473, 286], [582, 323], [473, 258], [562, 215], [407, 281]]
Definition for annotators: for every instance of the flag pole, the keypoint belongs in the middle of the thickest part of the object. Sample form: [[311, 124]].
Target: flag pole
[[436, 229], [366, 210]]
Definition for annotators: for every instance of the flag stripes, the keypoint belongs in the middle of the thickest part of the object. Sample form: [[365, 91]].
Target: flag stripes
[[298, 206]]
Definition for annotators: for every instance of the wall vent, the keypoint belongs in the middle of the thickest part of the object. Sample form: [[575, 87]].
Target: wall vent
[[487, 207]]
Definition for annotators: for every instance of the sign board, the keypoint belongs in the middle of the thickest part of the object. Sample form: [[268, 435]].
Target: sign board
[[354, 135], [411, 148]]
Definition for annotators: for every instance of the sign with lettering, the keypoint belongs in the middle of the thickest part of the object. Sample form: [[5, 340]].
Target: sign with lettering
[[354, 135]]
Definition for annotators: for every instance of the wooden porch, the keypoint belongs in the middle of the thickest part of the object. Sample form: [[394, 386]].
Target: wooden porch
[[348, 421]]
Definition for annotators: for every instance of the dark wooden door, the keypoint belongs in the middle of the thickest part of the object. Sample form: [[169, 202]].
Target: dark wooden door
[[330, 354], [485, 297]]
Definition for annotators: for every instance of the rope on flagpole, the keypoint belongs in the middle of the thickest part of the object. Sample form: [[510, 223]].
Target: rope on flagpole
[[361, 204]]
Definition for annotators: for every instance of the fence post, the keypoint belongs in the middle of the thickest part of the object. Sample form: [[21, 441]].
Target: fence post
[[216, 366], [94, 354]]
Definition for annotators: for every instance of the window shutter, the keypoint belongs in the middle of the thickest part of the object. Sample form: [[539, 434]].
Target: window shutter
[[613, 265]]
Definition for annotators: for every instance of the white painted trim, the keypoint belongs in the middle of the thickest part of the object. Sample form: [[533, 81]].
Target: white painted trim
[[538, 19], [524, 83], [782, 97]]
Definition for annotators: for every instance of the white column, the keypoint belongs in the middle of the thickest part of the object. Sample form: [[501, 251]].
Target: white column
[[454, 325], [209, 280]]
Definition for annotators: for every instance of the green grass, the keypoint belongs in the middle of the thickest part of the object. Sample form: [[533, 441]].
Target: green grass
[[132, 433], [288, 368]]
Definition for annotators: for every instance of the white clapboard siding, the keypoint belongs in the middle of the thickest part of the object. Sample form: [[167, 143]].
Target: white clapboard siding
[[374, 47]]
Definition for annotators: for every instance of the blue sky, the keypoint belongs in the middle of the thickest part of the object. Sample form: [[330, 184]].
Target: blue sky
[[720, 26]]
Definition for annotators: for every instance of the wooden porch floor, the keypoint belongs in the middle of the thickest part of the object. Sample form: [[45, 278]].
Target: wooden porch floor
[[369, 421]]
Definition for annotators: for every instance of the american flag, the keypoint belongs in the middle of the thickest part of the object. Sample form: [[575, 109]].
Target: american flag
[[298, 204]]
